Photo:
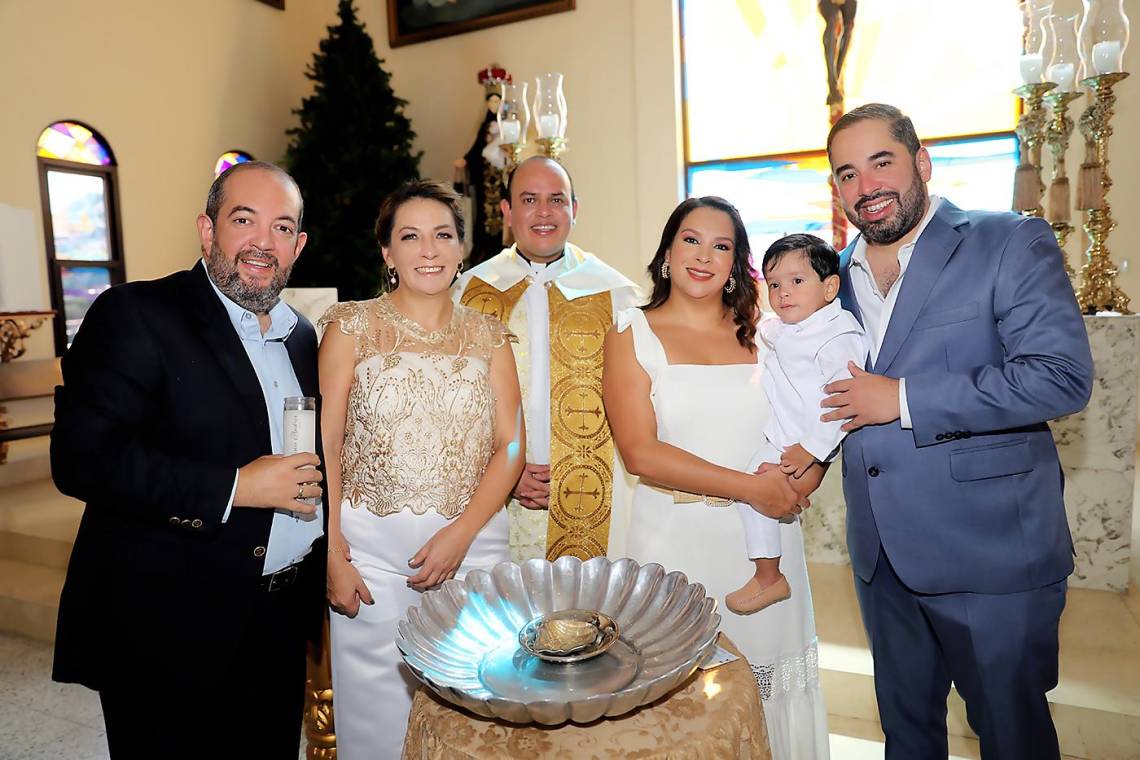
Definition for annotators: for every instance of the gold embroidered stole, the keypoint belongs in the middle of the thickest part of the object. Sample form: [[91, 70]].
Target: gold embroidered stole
[[581, 447]]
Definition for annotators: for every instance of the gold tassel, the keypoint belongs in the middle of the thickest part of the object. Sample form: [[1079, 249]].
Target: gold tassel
[[1090, 194], [1059, 200], [1026, 188]]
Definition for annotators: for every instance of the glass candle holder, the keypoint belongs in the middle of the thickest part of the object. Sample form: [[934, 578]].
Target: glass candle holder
[[549, 106], [1034, 13], [514, 115], [1104, 36], [1064, 61]]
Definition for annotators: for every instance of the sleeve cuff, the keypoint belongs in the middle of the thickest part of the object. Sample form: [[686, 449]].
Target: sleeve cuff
[[230, 505], [904, 410]]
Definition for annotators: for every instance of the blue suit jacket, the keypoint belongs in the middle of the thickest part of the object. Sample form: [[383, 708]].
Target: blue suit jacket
[[989, 337]]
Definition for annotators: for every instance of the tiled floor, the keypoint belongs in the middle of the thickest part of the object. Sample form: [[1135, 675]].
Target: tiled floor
[[40, 719]]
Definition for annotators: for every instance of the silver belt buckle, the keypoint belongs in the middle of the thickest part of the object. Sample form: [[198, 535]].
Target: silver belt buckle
[[283, 577]]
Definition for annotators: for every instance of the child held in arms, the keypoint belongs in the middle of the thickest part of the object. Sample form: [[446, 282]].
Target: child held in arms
[[810, 340]]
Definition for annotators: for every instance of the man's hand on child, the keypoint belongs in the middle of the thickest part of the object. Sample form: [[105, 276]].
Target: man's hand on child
[[865, 399], [795, 461]]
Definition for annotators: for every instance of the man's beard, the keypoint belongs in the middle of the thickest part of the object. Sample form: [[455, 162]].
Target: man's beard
[[911, 209], [223, 271]]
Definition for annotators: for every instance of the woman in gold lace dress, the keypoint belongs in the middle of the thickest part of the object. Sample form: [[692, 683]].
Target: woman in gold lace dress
[[423, 438]]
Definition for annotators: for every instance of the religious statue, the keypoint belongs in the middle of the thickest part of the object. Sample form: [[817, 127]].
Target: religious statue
[[840, 18], [481, 173]]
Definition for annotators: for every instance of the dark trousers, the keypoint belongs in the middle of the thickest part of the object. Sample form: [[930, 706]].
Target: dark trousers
[[999, 650], [253, 710]]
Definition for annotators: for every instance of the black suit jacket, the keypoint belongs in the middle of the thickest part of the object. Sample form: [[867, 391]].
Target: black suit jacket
[[159, 406]]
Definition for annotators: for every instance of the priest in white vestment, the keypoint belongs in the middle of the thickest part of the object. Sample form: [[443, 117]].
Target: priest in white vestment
[[559, 300]]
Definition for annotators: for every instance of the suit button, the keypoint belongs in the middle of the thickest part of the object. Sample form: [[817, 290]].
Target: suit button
[[175, 521], [259, 551], [940, 437], [873, 472], [196, 523]]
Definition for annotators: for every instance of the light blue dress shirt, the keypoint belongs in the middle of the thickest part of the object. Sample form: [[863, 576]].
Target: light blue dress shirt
[[291, 536]]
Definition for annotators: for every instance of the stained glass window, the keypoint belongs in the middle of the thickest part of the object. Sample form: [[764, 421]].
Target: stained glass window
[[80, 286], [84, 251], [778, 196], [79, 216], [71, 141], [755, 100], [230, 158]]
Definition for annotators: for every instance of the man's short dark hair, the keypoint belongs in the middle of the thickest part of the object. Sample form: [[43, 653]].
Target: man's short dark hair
[[217, 195], [511, 176], [901, 127], [824, 260]]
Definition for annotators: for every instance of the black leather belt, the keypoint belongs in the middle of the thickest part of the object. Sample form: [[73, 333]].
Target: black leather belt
[[282, 579]]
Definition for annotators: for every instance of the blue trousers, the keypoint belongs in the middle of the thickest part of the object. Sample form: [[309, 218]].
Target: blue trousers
[[999, 650]]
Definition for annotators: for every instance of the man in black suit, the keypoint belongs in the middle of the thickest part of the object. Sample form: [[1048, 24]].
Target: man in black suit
[[198, 571]]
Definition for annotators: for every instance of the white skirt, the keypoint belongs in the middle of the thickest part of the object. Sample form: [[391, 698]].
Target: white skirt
[[372, 688]]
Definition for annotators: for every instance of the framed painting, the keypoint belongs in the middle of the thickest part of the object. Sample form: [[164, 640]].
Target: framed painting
[[411, 21]]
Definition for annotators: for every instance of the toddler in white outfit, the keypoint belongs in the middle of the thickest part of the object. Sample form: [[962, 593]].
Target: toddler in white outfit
[[810, 341]]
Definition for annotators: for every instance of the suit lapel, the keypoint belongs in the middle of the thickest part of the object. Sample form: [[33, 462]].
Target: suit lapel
[[220, 337], [935, 246], [846, 292]]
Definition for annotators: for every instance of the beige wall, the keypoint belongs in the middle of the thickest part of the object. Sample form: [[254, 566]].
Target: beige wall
[[171, 89]]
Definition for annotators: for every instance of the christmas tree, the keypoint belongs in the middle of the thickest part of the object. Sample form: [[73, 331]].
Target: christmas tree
[[352, 148]]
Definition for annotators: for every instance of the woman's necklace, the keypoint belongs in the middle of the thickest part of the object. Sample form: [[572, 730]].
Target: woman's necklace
[[433, 338]]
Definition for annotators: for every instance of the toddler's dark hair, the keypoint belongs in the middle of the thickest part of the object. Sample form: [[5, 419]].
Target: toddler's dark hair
[[824, 259]]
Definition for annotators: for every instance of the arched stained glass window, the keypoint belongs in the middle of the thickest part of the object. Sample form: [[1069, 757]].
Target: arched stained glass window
[[756, 112], [78, 186], [71, 141], [230, 158]]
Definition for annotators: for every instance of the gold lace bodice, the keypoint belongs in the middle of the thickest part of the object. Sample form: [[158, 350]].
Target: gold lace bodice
[[419, 428]]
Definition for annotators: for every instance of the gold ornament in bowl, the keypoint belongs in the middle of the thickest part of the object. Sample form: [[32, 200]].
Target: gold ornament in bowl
[[569, 635]]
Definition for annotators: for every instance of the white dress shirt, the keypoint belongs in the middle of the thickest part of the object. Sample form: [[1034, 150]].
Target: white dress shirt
[[876, 307], [291, 536]]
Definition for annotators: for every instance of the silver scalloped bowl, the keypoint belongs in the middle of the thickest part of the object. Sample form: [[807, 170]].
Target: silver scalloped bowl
[[462, 640]]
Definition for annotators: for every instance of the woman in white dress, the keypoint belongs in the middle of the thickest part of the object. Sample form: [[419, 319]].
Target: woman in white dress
[[684, 400], [422, 427]]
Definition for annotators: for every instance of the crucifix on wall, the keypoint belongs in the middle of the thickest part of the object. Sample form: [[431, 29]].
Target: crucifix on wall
[[839, 17]]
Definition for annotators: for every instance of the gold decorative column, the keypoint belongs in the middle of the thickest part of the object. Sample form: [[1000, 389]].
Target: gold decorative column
[[1098, 290], [1057, 137], [320, 730], [1027, 184], [15, 327]]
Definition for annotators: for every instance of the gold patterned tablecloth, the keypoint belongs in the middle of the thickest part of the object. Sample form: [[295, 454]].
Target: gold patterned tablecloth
[[716, 714]]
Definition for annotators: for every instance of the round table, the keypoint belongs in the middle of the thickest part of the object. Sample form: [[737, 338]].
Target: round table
[[715, 714]]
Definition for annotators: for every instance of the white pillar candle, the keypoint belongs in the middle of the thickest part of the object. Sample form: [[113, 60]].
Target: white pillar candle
[[1063, 74], [300, 433], [548, 125], [509, 131], [1107, 57], [1031, 67]]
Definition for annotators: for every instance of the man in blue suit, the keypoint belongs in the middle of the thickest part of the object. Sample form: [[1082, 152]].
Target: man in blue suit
[[955, 519]]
